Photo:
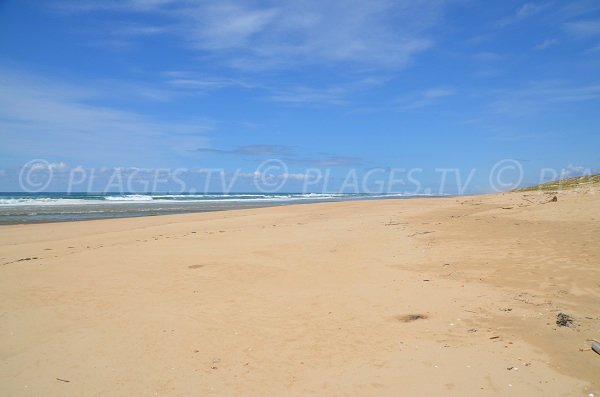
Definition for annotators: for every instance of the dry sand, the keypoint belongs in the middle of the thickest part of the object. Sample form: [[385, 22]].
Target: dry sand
[[453, 296]]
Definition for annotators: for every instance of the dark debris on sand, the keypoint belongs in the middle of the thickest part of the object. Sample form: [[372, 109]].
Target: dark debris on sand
[[564, 320], [411, 317]]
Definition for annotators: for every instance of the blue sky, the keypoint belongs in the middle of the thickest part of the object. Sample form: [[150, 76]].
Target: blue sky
[[334, 85]]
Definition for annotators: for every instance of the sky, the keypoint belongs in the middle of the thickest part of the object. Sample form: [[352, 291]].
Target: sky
[[329, 87]]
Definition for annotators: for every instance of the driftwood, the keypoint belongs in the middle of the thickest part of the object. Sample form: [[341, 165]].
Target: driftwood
[[596, 346]]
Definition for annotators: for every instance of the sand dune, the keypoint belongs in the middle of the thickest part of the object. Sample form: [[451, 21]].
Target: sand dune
[[452, 296]]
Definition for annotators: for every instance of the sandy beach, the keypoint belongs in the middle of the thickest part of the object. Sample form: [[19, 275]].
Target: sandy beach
[[439, 296]]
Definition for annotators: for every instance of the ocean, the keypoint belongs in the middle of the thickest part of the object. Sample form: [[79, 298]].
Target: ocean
[[17, 208]]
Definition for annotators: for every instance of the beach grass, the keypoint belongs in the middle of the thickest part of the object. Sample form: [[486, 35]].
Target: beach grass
[[579, 182]]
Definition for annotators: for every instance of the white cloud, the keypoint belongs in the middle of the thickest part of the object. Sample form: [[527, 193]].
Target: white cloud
[[270, 176], [70, 6], [572, 170], [542, 96], [311, 96], [577, 8], [487, 56], [593, 49], [54, 167], [381, 33], [187, 82], [296, 176], [297, 32], [546, 44], [140, 30], [525, 11], [529, 9], [224, 25], [58, 167], [41, 116], [583, 28], [337, 94], [424, 98]]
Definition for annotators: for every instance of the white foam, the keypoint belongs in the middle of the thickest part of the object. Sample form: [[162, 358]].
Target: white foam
[[42, 201], [129, 197], [166, 198]]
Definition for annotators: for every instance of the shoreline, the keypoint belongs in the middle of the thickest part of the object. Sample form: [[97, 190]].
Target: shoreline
[[455, 295], [145, 209]]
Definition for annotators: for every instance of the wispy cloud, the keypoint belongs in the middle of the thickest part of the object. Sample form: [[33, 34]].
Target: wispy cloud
[[583, 28], [522, 13], [514, 136], [593, 49], [424, 98], [70, 6], [223, 25], [286, 153], [573, 170], [542, 96], [250, 44], [487, 56], [42, 116], [326, 160], [191, 81], [529, 9], [380, 33], [139, 30], [310, 96], [546, 44], [577, 8], [341, 93], [253, 150], [205, 84], [295, 33]]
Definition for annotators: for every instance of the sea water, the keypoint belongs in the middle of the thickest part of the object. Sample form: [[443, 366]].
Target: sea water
[[54, 207]]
